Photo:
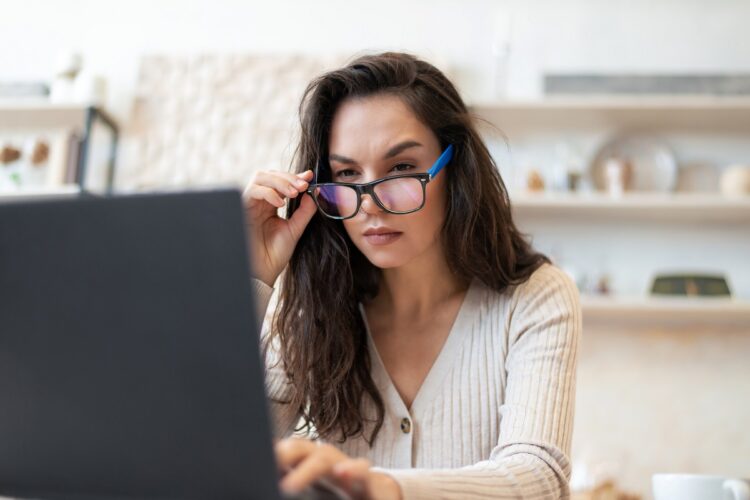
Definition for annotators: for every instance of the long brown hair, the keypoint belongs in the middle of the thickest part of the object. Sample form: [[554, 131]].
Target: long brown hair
[[321, 336]]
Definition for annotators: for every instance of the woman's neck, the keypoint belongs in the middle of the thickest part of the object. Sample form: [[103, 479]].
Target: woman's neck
[[416, 289]]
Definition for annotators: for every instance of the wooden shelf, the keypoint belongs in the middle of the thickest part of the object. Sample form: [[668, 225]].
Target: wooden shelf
[[645, 102], [676, 207], [82, 118], [40, 192], [35, 113], [705, 113], [666, 309]]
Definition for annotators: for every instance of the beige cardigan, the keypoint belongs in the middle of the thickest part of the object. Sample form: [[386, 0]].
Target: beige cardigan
[[494, 417]]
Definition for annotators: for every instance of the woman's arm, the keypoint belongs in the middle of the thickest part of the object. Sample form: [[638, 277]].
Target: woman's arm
[[530, 460], [277, 388]]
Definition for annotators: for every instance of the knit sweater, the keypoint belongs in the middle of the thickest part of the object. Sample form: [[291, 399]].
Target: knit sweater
[[494, 416]]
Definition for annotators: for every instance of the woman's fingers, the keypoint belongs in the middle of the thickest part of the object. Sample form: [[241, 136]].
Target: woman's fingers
[[291, 177], [355, 468], [301, 217], [307, 175], [301, 181], [352, 475], [313, 467], [266, 193], [310, 462], [274, 238], [291, 451], [285, 183]]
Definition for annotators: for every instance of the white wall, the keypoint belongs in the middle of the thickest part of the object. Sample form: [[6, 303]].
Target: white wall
[[640, 35]]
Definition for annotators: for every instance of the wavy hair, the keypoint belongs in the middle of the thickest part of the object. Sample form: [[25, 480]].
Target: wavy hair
[[322, 341]]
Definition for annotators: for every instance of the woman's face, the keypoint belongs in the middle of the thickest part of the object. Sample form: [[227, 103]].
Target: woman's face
[[376, 137]]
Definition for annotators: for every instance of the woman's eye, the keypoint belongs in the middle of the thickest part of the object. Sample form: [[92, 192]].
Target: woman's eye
[[344, 173], [402, 167]]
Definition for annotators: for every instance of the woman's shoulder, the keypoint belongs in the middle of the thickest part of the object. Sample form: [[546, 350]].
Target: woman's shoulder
[[548, 303], [547, 285], [544, 277], [547, 276]]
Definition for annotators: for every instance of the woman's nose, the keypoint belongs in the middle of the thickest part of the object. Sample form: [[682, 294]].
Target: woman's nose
[[368, 205]]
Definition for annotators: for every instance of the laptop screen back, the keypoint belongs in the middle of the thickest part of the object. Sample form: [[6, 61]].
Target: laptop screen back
[[129, 363]]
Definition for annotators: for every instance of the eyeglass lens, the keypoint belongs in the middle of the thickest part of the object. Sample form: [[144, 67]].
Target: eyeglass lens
[[403, 194]]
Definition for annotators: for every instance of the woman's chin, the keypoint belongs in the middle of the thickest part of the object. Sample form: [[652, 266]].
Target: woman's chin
[[386, 258]]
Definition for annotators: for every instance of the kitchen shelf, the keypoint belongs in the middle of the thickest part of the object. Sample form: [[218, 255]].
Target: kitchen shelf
[[682, 113], [40, 113], [645, 102], [674, 207], [666, 309], [40, 192], [595, 227]]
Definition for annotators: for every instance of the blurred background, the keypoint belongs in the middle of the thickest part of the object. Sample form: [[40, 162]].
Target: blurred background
[[622, 130]]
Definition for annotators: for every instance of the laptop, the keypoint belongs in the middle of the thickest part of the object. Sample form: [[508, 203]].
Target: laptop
[[129, 351]]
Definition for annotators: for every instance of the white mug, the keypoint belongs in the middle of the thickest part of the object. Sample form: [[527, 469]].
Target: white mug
[[699, 487]]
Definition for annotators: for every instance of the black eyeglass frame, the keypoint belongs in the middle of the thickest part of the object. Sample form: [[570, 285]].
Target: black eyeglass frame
[[369, 188]]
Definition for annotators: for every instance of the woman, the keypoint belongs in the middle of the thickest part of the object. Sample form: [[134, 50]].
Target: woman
[[419, 335]]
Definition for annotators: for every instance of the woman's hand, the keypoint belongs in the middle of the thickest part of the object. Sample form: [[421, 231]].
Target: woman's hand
[[308, 461], [273, 238]]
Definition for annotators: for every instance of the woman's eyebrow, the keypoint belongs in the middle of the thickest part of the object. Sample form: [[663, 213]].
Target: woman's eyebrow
[[341, 159], [395, 150], [400, 147]]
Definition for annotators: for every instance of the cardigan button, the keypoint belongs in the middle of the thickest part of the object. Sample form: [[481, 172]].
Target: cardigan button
[[405, 425]]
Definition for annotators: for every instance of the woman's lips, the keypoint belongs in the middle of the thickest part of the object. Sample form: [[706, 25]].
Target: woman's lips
[[382, 238]]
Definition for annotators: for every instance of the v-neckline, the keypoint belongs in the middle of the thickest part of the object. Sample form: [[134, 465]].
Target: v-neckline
[[440, 367]]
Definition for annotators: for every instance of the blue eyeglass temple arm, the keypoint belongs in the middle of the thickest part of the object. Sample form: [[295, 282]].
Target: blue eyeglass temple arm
[[441, 162]]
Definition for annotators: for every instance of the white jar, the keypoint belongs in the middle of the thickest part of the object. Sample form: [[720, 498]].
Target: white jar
[[735, 181]]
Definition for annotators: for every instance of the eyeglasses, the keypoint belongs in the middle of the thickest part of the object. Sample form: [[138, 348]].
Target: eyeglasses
[[398, 194]]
